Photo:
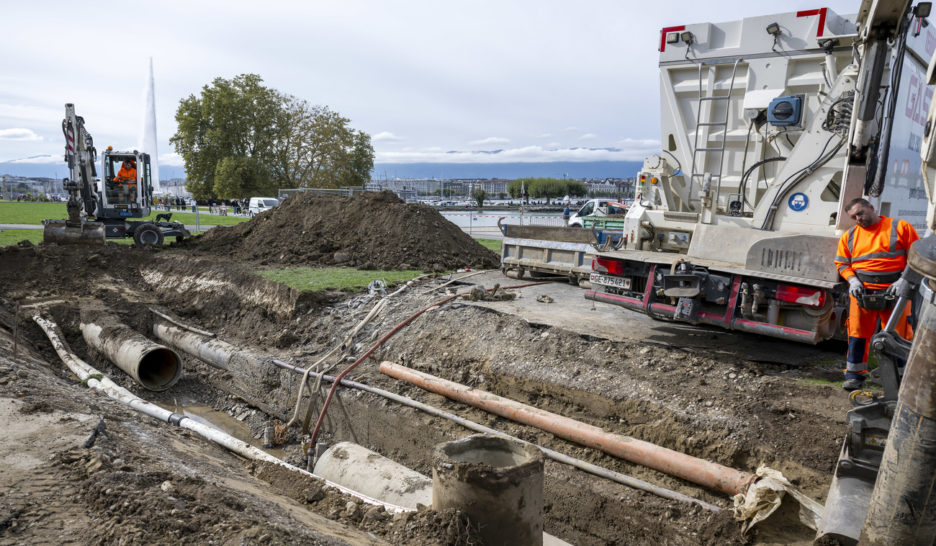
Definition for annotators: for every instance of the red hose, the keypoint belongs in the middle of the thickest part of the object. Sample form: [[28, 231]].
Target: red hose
[[346, 371], [388, 335]]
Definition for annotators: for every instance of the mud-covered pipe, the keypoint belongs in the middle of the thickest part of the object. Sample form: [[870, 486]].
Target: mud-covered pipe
[[213, 351], [218, 353], [96, 380], [154, 366], [674, 463]]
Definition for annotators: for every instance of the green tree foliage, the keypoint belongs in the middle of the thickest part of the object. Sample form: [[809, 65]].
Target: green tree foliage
[[548, 188], [237, 177], [239, 138], [479, 195]]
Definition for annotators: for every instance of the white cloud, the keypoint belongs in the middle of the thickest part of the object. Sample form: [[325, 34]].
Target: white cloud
[[588, 136], [489, 140], [29, 113], [19, 134], [385, 136], [570, 128], [526, 154], [171, 160], [544, 135], [38, 159]]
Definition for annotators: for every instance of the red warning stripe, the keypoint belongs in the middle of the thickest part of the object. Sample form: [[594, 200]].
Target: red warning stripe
[[821, 12], [666, 30]]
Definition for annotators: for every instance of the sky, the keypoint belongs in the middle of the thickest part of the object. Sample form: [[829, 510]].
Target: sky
[[430, 81]]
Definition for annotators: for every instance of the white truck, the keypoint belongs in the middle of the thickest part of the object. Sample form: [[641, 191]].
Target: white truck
[[770, 125]]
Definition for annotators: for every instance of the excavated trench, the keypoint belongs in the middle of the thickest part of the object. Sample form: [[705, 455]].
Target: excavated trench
[[737, 413]]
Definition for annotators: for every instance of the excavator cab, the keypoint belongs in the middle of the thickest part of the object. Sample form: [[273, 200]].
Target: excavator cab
[[125, 185]]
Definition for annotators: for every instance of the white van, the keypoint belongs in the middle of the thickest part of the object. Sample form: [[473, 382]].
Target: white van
[[260, 204], [596, 207]]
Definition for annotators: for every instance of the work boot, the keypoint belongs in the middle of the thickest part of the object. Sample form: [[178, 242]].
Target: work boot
[[853, 384]]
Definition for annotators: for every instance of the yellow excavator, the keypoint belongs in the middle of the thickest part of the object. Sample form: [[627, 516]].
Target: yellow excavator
[[100, 209]]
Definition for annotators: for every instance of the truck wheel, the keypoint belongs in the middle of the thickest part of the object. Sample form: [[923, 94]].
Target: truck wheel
[[147, 235]]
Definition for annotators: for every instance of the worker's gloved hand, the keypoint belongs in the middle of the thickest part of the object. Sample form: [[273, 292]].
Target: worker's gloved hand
[[902, 289], [855, 288]]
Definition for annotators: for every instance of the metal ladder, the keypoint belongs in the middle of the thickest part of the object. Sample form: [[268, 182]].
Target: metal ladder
[[720, 149]]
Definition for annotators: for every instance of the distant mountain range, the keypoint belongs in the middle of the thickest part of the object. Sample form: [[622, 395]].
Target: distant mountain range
[[60, 170], [593, 169]]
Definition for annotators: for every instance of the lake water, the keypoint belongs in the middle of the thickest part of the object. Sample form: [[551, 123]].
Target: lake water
[[484, 222]]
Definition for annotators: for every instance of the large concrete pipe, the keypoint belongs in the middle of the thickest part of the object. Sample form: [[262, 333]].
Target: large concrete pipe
[[154, 366], [367, 472], [706, 473], [497, 483]]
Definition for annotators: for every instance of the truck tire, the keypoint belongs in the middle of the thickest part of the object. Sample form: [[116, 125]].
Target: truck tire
[[147, 235]]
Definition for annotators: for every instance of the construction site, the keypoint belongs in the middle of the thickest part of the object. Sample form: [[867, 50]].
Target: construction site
[[666, 371], [733, 403]]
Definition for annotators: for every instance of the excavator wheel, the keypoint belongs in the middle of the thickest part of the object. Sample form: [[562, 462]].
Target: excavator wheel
[[147, 235]]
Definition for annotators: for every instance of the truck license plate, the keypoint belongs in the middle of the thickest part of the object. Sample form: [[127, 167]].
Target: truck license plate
[[605, 280]]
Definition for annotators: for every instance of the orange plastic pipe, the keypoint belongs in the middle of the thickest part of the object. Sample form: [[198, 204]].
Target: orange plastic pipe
[[699, 471]]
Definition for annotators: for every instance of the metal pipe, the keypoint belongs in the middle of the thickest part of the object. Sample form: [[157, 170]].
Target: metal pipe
[[674, 463], [154, 366], [222, 352], [96, 380]]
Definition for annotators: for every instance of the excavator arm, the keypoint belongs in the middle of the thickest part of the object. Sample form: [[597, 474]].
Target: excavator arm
[[80, 155]]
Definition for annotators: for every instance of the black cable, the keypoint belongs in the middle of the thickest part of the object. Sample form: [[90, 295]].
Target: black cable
[[784, 188], [748, 172], [678, 164]]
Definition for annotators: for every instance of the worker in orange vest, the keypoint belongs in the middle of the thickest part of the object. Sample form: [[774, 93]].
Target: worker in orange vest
[[872, 256], [127, 175]]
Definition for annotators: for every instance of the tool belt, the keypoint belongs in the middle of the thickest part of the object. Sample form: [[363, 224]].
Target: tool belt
[[876, 300]]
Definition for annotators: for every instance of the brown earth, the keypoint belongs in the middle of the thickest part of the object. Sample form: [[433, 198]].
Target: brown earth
[[367, 231], [145, 481]]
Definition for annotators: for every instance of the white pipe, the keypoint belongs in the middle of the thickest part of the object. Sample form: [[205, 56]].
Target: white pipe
[[96, 380]]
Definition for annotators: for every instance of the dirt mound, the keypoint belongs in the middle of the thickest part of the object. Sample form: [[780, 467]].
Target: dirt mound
[[367, 231]]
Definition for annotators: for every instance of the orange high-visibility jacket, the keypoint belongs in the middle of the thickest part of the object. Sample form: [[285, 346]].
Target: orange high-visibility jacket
[[127, 174], [877, 255]]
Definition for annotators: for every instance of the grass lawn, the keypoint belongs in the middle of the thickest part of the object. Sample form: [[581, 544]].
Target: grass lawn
[[309, 279], [493, 244], [12, 236], [35, 213]]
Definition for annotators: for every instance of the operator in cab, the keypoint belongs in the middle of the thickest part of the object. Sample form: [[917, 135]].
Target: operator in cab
[[127, 175], [872, 256]]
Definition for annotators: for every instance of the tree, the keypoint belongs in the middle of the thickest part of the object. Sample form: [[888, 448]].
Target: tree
[[237, 177], [240, 138], [547, 187], [231, 118], [479, 195]]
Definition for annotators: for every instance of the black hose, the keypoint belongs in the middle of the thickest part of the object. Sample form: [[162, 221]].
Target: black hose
[[748, 172]]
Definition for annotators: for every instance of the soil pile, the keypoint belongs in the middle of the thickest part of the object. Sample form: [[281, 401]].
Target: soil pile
[[367, 231]]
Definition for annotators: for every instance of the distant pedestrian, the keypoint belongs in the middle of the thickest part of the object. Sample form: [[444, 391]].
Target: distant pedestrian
[[566, 214]]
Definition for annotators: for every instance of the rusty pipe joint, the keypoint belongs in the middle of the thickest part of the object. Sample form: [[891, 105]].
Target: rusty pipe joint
[[155, 367]]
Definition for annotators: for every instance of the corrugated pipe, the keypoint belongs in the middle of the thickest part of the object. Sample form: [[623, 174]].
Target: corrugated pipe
[[218, 353], [96, 380], [699, 471], [154, 366]]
